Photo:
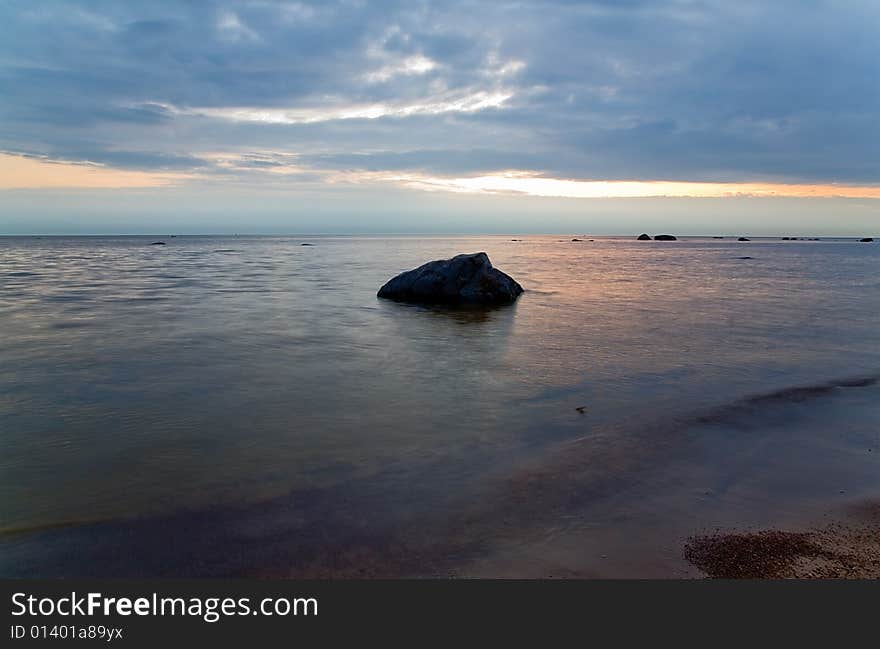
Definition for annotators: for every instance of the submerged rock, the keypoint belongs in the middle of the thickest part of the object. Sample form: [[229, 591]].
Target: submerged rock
[[743, 239], [643, 237], [158, 243], [665, 237], [464, 279], [866, 239]]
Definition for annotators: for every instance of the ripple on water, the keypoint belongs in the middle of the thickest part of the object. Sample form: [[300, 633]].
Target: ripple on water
[[125, 378], [71, 324], [68, 297]]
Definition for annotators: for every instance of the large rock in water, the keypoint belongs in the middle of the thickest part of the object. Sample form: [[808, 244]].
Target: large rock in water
[[643, 237], [665, 237], [464, 279]]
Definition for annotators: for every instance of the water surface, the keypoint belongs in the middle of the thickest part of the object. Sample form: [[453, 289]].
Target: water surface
[[251, 399]]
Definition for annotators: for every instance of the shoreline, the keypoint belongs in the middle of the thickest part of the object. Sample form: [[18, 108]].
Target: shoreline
[[848, 548]]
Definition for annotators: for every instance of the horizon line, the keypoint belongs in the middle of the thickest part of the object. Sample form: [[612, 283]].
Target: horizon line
[[424, 234]]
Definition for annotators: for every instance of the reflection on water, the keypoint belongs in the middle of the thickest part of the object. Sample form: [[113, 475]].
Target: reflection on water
[[255, 396]]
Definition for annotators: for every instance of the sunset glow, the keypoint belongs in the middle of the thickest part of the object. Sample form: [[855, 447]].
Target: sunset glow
[[19, 172], [523, 183], [361, 117]]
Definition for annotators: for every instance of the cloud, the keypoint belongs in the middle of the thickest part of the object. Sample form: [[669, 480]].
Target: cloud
[[411, 65], [230, 28], [450, 103], [716, 93]]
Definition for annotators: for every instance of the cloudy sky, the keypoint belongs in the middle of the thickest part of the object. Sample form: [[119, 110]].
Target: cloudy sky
[[598, 116]]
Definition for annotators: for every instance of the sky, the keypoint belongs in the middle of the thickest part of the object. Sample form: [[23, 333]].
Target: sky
[[602, 116]]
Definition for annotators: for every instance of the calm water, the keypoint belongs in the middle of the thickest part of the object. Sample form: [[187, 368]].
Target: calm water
[[247, 406]]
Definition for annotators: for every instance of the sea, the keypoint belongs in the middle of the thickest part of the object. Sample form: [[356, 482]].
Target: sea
[[247, 406]]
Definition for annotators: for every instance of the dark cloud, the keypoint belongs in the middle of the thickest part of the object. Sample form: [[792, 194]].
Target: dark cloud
[[679, 89]]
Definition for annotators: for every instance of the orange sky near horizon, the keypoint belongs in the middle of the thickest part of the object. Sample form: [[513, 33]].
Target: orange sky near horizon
[[21, 172]]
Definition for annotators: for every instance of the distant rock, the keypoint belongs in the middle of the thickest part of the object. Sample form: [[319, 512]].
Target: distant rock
[[717, 237], [745, 257], [866, 239], [643, 237], [464, 279], [158, 243], [743, 239], [786, 238], [307, 244], [577, 239], [665, 237]]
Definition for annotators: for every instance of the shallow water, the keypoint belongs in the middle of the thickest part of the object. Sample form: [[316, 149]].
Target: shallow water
[[252, 399]]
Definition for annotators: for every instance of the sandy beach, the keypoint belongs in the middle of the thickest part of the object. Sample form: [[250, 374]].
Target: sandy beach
[[848, 548]]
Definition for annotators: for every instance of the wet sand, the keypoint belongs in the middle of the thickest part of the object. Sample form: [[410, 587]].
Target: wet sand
[[847, 549]]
